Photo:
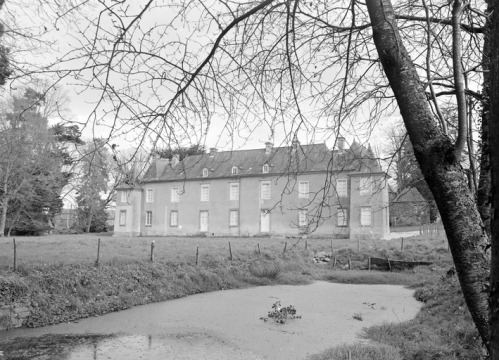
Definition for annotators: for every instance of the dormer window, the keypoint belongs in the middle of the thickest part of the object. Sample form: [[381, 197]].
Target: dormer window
[[205, 172], [265, 169], [235, 170]]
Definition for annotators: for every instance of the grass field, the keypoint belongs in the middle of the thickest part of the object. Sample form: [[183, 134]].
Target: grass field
[[82, 248]]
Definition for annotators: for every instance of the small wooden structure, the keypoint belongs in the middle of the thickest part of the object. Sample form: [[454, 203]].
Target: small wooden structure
[[394, 264]]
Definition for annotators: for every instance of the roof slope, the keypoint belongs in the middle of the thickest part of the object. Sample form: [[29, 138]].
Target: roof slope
[[281, 161]]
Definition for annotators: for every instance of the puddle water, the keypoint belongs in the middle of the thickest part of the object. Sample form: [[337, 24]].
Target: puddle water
[[220, 325]]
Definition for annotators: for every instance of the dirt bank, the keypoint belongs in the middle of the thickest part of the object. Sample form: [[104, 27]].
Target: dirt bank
[[222, 324]]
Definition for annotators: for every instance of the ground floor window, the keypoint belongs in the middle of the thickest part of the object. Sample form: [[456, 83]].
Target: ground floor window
[[341, 217], [234, 218], [302, 218], [366, 216], [174, 218], [123, 217], [148, 218], [203, 221]]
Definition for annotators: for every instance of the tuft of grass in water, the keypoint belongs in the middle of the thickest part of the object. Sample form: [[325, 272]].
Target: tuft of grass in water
[[359, 351]]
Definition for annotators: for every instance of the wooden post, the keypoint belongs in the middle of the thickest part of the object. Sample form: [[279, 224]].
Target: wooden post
[[402, 245], [97, 262], [259, 252], [389, 265], [285, 246], [331, 246], [152, 250], [306, 244], [197, 254], [369, 263], [334, 262], [15, 254], [230, 252], [349, 262]]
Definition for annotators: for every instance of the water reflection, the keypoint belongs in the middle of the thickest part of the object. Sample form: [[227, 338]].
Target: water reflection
[[121, 347]]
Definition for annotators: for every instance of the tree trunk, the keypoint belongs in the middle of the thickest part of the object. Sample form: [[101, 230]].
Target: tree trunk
[[484, 186], [494, 162], [437, 159], [3, 216]]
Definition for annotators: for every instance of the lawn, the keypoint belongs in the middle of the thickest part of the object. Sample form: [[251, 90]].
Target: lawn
[[81, 249]]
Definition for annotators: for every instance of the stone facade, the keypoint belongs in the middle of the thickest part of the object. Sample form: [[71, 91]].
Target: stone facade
[[286, 191]]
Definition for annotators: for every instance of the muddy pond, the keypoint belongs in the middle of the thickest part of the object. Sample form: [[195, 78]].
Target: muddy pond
[[221, 325]]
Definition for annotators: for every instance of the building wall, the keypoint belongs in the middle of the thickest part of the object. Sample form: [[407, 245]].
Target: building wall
[[284, 205], [376, 200]]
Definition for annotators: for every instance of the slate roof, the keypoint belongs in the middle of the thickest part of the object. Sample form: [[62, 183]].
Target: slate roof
[[281, 161], [409, 195]]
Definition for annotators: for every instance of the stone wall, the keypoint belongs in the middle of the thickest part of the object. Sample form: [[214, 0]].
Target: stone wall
[[13, 315]]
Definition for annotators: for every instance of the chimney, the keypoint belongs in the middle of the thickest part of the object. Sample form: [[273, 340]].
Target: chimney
[[340, 143], [175, 160], [213, 151], [268, 148]]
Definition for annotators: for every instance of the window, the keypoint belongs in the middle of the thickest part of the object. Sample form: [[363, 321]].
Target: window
[[123, 217], [302, 218], [148, 218], [149, 195], [174, 218], [341, 217], [265, 190], [366, 216], [303, 190], [234, 191], [366, 186], [341, 187], [174, 195], [234, 218], [124, 195], [205, 192], [205, 172], [265, 168], [235, 170]]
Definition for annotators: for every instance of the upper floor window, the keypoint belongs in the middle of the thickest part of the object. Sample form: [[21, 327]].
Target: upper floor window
[[124, 195], [235, 170], [149, 195], [205, 192], [302, 218], [265, 168], [341, 217], [366, 185], [174, 195], [366, 216], [265, 190], [341, 187], [303, 189], [205, 172], [148, 218], [234, 191]]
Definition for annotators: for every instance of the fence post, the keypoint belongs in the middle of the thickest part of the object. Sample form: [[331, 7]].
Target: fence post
[[259, 252], [306, 244], [331, 246], [97, 262], [402, 245], [285, 246], [152, 250], [15, 254], [230, 252], [197, 254]]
